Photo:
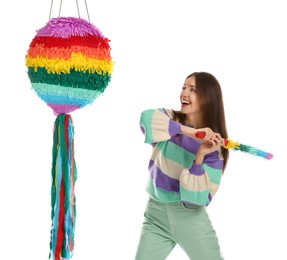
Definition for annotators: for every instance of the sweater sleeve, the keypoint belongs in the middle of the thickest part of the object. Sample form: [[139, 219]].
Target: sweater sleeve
[[157, 126], [199, 183]]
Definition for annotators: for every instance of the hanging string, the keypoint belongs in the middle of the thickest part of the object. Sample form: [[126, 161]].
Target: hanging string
[[50, 10], [87, 11], [60, 8], [78, 9]]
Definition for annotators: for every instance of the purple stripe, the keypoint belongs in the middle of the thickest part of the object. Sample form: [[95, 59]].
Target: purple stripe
[[65, 27], [174, 128], [209, 197], [163, 181], [191, 145], [212, 160], [196, 169], [62, 109]]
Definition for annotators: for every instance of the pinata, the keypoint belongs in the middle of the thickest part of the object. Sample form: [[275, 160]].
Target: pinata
[[69, 66]]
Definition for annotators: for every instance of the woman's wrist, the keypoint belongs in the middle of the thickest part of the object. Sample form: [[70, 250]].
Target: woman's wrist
[[188, 131], [199, 158]]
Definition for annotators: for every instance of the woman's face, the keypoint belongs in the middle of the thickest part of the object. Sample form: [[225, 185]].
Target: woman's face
[[190, 105]]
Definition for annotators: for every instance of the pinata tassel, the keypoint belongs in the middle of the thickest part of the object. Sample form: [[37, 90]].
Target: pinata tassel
[[64, 174]]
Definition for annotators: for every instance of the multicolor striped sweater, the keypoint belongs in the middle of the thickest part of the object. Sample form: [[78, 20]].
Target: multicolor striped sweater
[[173, 174]]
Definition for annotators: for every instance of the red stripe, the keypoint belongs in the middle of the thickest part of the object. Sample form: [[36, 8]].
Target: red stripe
[[66, 123], [89, 41], [60, 236], [225, 142]]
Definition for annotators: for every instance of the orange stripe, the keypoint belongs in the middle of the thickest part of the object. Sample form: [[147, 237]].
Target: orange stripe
[[65, 53]]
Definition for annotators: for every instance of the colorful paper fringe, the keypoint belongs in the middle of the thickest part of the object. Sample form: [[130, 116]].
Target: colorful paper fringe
[[69, 66], [69, 63], [230, 144], [64, 175]]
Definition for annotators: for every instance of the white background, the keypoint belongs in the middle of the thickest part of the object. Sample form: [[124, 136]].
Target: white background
[[155, 45]]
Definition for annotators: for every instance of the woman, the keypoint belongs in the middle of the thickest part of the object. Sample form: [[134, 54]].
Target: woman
[[185, 172]]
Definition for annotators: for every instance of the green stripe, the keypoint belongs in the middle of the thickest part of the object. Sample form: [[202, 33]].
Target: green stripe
[[176, 153], [161, 195], [213, 174], [56, 90], [73, 79], [146, 123], [195, 197]]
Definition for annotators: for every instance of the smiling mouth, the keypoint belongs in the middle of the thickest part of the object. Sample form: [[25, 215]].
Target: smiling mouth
[[185, 103]]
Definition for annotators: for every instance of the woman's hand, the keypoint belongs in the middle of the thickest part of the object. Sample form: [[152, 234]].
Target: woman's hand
[[211, 142]]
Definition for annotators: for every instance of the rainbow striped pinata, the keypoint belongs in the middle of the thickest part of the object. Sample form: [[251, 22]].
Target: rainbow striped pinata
[[69, 63], [69, 66]]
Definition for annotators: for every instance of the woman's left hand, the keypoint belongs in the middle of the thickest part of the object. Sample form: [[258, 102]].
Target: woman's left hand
[[210, 145]]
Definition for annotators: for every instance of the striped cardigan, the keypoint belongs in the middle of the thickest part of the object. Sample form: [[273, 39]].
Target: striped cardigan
[[173, 174]]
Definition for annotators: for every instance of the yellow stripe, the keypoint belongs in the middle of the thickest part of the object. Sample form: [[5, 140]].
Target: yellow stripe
[[231, 144], [78, 61]]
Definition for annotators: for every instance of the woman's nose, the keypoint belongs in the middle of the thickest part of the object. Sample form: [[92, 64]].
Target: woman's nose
[[184, 93]]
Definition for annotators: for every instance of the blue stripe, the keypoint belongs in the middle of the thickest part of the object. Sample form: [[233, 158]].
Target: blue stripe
[[65, 100]]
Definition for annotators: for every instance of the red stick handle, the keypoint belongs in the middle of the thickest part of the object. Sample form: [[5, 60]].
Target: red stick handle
[[200, 134]]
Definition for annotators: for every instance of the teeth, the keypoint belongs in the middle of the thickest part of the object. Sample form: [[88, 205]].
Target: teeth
[[185, 102]]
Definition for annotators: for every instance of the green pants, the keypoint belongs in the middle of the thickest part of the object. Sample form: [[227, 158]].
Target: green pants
[[168, 224]]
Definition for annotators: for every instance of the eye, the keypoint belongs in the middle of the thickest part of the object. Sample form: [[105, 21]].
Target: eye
[[193, 89]]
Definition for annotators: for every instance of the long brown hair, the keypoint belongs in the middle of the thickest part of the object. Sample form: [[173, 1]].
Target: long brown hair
[[211, 101]]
